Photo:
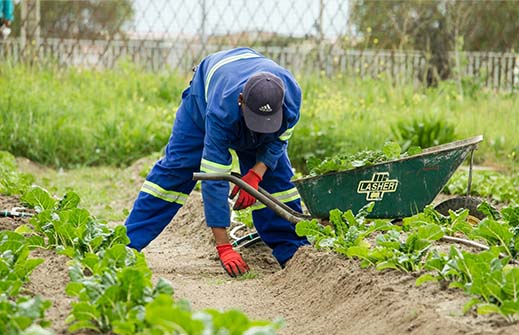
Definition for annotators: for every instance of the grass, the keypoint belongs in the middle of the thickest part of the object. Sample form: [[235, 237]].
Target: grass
[[75, 117], [249, 275], [348, 115]]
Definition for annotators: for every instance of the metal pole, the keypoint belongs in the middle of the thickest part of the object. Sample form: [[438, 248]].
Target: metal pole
[[261, 195], [30, 32], [23, 20], [321, 35], [203, 36]]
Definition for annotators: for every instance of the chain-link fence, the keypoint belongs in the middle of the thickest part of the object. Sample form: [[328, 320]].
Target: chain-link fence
[[306, 36]]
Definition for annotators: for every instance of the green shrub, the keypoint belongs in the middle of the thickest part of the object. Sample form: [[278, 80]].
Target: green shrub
[[423, 131]]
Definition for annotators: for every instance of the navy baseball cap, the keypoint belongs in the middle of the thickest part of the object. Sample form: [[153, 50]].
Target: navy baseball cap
[[263, 96]]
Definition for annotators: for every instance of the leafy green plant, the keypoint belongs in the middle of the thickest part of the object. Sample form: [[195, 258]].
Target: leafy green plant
[[23, 315], [15, 264], [486, 276], [341, 162], [347, 235], [425, 131], [11, 181], [113, 292], [19, 313], [455, 222], [392, 253], [69, 229], [164, 316], [496, 186], [496, 234], [344, 232]]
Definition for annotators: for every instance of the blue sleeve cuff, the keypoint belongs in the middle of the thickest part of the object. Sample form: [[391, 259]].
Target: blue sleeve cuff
[[271, 153], [216, 205], [268, 161]]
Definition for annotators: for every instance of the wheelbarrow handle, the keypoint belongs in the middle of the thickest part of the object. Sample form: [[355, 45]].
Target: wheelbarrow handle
[[261, 195]]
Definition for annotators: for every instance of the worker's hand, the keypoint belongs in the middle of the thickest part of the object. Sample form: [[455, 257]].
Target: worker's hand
[[231, 260], [245, 199]]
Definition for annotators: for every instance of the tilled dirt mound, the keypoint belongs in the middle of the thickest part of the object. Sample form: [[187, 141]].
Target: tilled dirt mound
[[341, 298], [317, 293]]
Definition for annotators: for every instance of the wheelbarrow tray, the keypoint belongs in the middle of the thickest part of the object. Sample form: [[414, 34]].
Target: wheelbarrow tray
[[399, 188]]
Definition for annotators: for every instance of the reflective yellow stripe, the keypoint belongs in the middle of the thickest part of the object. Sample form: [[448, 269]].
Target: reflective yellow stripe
[[222, 63], [284, 196], [158, 192], [212, 167], [287, 134]]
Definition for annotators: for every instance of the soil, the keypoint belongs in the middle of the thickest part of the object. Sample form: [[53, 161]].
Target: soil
[[317, 293]]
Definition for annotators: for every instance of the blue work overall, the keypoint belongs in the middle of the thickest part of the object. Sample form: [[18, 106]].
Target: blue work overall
[[208, 123]]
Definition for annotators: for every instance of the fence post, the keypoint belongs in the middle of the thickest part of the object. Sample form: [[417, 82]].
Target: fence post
[[203, 23], [515, 75], [320, 32], [30, 30]]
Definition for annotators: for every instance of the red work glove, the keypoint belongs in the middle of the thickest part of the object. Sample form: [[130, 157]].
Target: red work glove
[[245, 199], [231, 260]]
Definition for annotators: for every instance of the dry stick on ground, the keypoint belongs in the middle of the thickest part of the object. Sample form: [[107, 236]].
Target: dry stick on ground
[[470, 243]]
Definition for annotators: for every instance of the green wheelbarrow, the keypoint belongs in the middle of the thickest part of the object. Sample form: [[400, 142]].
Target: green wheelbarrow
[[400, 188]]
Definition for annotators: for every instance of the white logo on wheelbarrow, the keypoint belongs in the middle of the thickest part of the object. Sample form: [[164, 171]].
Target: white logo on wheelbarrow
[[377, 186]]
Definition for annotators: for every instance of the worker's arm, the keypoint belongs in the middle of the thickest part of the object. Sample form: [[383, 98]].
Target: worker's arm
[[216, 158]]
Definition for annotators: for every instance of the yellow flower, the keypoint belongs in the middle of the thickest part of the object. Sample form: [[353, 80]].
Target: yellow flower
[[375, 40], [368, 29]]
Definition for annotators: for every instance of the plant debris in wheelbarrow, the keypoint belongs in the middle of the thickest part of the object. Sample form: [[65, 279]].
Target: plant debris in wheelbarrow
[[400, 187]]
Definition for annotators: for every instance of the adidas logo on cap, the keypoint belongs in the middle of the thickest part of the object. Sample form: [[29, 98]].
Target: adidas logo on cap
[[265, 109]]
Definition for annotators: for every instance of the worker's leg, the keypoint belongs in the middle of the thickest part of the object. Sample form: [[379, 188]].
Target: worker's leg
[[278, 233], [169, 183]]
